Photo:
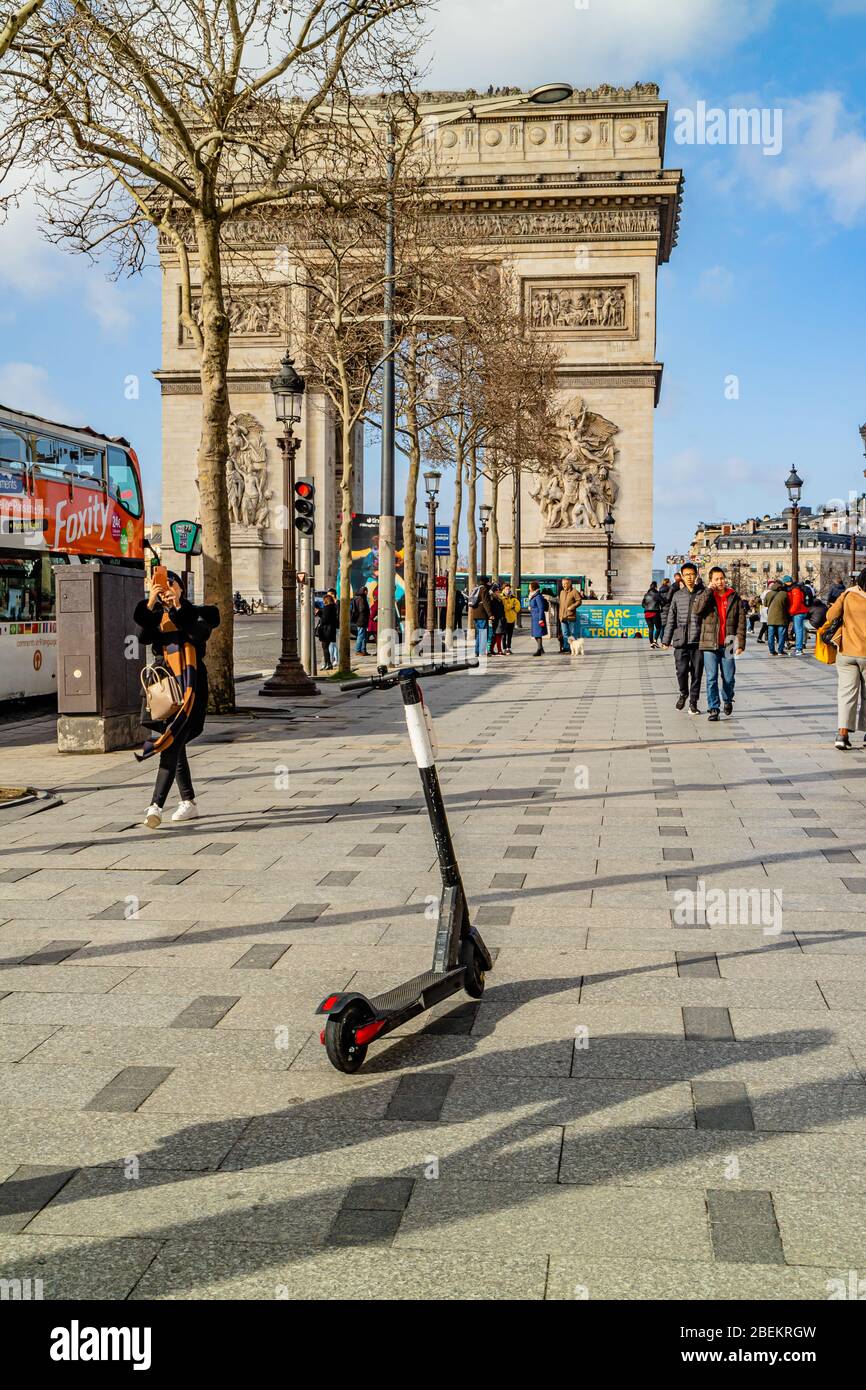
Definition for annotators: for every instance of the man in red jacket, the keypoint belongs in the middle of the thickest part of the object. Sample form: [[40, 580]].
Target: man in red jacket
[[798, 607]]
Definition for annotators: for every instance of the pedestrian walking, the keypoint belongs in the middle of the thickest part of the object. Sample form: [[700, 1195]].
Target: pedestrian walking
[[178, 633], [666, 593], [776, 600], [480, 612], [798, 608], [652, 611], [837, 589], [682, 632], [460, 606], [497, 621], [511, 612], [570, 599], [538, 609], [850, 640], [360, 615], [326, 630], [722, 615]]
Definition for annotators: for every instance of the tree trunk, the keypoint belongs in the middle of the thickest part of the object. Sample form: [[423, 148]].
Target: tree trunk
[[472, 487], [211, 466], [452, 551], [344, 636], [494, 522], [410, 572]]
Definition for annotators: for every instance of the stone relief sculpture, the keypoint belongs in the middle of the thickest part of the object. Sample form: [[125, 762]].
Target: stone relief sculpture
[[257, 314], [247, 472], [601, 307], [582, 489]]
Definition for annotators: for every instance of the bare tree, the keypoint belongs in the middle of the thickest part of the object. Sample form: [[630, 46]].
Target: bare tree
[[14, 23], [187, 119], [339, 266]]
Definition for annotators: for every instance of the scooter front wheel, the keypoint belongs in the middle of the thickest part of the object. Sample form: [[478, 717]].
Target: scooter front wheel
[[343, 1052]]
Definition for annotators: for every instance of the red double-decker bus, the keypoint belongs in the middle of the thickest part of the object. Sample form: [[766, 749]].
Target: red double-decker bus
[[67, 495]]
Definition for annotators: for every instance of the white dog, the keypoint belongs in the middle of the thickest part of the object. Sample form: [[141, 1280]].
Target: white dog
[[575, 646]]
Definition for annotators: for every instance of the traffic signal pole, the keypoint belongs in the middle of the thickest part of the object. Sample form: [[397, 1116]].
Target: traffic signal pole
[[289, 677]]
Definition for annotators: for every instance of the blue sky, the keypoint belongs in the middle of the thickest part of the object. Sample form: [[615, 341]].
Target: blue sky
[[766, 284]]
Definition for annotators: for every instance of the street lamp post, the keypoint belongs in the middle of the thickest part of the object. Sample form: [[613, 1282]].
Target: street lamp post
[[794, 484], [609, 524], [289, 677], [516, 578], [549, 94], [484, 511], [431, 482]]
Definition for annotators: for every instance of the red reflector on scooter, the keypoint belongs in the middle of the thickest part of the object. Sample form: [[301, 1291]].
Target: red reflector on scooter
[[368, 1032], [328, 1004]]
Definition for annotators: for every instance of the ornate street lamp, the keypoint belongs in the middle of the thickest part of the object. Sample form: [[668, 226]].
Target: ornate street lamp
[[609, 523], [794, 484], [289, 676], [485, 511], [432, 478]]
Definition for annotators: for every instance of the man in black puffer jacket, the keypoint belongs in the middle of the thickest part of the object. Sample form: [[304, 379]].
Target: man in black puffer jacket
[[683, 633]]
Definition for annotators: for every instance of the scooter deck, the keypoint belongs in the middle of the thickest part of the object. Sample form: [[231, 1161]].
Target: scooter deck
[[424, 989]]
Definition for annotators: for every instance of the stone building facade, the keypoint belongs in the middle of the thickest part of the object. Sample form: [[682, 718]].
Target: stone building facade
[[575, 200]]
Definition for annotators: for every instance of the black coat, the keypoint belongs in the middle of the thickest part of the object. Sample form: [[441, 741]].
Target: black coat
[[329, 620], [196, 625], [682, 625], [651, 601]]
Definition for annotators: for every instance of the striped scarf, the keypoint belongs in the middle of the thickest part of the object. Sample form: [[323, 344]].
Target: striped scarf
[[181, 659]]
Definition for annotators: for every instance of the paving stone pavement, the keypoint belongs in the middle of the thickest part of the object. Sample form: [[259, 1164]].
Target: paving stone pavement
[[660, 1095]]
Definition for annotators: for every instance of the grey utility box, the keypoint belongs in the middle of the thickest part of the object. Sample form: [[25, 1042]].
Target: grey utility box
[[99, 660]]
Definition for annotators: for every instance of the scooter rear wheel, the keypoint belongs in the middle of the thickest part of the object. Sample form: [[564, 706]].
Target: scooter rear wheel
[[343, 1052], [473, 978]]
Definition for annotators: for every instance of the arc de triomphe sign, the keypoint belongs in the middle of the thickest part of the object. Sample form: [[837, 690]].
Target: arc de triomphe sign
[[575, 200]]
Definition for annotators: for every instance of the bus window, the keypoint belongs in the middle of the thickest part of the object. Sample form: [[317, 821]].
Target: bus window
[[56, 457], [13, 449], [26, 590], [86, 464], [123, 482], [49, 460]]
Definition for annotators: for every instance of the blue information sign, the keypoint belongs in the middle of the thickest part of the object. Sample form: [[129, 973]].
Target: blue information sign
[[611, 620], [443, 540]]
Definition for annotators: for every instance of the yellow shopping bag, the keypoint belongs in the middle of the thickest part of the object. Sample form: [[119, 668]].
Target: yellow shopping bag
[[824, 651]]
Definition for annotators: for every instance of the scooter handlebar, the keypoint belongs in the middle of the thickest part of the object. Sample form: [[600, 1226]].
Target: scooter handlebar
[[384, 682]]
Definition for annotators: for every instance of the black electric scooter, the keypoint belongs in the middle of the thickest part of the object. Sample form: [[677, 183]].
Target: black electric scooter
[[460, 958]]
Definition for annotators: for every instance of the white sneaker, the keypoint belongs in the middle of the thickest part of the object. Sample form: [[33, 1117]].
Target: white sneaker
[[153, 819], [187, 810]]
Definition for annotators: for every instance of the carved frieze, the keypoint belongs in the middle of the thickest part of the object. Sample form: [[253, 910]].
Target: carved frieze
[[590, 306], [255, 311]]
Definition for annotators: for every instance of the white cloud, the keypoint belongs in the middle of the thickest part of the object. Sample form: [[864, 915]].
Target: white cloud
[[28, 264], [716, 284], [822, 160], [27, 387], [106, 301], [617, 41], [34, 268]]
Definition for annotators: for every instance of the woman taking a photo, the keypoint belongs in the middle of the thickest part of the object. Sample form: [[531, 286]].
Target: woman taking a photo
[[178, 632]]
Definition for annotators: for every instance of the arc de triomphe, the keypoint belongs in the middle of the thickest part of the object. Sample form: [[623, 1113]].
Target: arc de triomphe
[[575, 199]]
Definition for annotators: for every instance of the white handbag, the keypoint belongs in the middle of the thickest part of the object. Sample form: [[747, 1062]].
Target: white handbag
[[162, 693]]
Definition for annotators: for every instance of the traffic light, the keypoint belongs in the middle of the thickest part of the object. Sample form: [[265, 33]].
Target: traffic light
[[305, 506]]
